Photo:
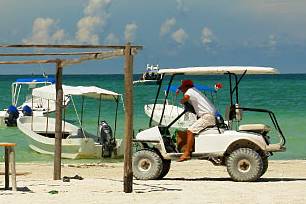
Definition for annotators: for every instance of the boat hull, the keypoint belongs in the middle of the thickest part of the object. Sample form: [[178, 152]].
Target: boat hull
[[74, 145]]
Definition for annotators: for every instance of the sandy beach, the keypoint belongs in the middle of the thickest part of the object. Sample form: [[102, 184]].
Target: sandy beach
[[193, 181]]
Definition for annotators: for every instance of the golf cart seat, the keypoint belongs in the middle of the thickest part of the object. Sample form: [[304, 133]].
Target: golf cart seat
[[257, 128], [238, 115]]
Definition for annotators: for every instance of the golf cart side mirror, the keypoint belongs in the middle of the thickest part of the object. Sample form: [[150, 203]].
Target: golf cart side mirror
[[230, 113]]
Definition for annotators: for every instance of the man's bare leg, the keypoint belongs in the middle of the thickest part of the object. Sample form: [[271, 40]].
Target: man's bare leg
[[189, 147]]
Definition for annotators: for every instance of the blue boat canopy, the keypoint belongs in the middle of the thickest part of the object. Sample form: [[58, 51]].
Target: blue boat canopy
[[173, 88], [39, 80]]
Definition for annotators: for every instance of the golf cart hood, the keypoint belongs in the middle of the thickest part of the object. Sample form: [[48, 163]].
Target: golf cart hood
[[149, 134], [219, 70]]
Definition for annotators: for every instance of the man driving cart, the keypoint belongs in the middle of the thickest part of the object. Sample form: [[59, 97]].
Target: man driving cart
[[204, 110]]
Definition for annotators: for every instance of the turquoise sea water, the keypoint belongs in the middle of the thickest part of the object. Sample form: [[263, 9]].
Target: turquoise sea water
[[285, 95]]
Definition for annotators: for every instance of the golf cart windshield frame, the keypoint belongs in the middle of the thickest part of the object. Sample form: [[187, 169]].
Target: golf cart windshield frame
[[165, 100]]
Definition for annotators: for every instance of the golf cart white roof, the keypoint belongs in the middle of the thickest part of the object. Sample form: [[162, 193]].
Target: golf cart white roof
[[219, 70], [49, 92]]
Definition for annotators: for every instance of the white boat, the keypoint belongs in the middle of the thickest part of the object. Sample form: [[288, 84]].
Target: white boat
[[39, 106], [150, 76], [76, 142], [171, 111]]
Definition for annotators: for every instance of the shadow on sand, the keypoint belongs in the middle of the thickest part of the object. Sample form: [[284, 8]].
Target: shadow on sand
[[229, 179], [21, 189]]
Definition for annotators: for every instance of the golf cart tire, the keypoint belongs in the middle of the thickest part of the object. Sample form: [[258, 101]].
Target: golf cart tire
[[166, 168], [244, 164], [265, 163], [147, 165]]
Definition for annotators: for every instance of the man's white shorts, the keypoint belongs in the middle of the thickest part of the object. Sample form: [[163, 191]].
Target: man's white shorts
[[203, 122]]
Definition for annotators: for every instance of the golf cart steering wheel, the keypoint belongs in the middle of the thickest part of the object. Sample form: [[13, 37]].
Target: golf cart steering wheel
[[188, 108]]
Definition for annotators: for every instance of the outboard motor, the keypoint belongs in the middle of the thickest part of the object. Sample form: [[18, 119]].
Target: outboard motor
[[106, 139], [27, 111], [13, 114]]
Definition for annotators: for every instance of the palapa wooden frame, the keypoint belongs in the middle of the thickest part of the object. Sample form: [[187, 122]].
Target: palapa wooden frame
[[127, 51]]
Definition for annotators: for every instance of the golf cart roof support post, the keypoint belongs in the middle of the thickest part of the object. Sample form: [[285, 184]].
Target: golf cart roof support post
[[236, 88], [165, 101], [230, 88], [155, 101]]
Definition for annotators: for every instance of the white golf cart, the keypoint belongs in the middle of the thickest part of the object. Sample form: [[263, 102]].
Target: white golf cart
[[243, 149]]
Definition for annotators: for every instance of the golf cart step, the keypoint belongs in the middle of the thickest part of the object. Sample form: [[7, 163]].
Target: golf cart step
[[275, 148], [195, 155]]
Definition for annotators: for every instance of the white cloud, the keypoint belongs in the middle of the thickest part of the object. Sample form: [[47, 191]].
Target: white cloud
[[179, 36], [130, 32], [272, 41], [207, 36], [181, 6], [167, 26], [112, 39], [96, 7], [45, 31], [95, 18], [86, 30]]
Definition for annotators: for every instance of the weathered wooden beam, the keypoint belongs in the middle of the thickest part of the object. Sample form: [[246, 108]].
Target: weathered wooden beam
[[92, 56], [29, 62], [69, 46], [100, 56], [128, 83], [49, 54], [58, 122]]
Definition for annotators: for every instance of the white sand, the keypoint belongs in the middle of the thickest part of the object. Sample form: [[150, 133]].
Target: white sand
[[188, 182]]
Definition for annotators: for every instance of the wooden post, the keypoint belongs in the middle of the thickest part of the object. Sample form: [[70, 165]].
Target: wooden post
[[128, 83], [13, 167], [58, 122], [7, 167]]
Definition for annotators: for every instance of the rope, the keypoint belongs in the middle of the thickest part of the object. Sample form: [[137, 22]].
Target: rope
[[76, 112]]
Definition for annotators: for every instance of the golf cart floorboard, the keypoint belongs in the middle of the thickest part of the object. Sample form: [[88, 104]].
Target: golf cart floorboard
[[195, 155]]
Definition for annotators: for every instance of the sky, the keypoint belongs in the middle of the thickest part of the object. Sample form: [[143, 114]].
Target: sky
[[174, 33]]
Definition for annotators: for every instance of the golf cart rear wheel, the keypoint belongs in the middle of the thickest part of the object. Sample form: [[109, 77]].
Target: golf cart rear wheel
[[244, 164], [166, 168], [147, 165]]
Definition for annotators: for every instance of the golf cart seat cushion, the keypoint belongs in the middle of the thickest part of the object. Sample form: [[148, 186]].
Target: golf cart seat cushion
[[258, 128]]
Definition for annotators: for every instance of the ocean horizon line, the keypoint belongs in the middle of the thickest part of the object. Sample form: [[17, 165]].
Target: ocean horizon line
[[103, 74]]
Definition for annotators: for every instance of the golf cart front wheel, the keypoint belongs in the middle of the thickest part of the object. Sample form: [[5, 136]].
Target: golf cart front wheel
[[147, 165], [244, 165]]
